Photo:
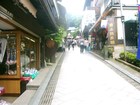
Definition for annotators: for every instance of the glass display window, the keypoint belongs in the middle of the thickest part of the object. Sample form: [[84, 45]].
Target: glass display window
[[19, 51], [8, 61], [28, 52]]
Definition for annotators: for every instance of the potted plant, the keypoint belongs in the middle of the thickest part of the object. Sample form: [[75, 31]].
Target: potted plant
[[53, 40]]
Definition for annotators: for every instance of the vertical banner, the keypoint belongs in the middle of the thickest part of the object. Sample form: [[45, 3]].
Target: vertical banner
[[138, 51], [111, 31]]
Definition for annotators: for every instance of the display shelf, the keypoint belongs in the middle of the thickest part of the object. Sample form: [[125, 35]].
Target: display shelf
[[21, 51]]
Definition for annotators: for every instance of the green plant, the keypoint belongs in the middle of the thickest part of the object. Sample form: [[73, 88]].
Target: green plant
[[122, 56], [137, 63], [57, 36], [130, 58]]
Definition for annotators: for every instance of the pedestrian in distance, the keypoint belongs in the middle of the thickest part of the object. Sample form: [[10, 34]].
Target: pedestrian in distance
[[82, 47], [73, 44], [69, 44]]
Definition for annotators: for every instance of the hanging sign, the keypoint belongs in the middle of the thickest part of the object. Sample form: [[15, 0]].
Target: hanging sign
[[103, 23]]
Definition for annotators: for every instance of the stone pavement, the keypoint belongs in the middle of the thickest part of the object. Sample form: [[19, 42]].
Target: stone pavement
[[85, 80], [125, 68], [36, 88]]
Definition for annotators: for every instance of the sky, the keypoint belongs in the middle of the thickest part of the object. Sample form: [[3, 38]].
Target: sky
[[74, 7]]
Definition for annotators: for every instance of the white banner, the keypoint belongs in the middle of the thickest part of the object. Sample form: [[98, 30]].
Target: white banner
[[103, 23]]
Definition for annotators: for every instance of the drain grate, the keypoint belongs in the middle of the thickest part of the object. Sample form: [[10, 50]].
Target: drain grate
[[50, 90]]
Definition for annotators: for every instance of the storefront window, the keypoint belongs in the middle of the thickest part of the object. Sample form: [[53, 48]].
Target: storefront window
[[8, 54], [28, 53]]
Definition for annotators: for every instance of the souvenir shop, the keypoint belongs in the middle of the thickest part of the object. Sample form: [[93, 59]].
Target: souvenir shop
[[19, 58], [19, 48]]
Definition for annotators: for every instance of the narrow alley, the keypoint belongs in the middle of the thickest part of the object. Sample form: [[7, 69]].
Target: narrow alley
[[36, 69], [85, 80]]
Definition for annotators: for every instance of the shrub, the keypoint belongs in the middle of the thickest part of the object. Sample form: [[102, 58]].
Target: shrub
[[137, 63], [122, 56], [130, 58]]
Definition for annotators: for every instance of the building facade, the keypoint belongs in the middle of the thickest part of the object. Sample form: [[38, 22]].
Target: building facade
[[23, 25], [114, 19]]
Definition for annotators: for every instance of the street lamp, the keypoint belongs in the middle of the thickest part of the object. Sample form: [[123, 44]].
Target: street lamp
[[123, 25]]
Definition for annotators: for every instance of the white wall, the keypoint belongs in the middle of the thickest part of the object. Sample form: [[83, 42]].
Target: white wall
[[138, 1], [88, 17], [129, 2]]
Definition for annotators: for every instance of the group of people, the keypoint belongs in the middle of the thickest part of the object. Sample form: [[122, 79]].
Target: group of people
[[70, 42], [82, 43]]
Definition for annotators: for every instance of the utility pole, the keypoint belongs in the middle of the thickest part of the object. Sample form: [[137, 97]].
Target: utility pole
[[123, 25]]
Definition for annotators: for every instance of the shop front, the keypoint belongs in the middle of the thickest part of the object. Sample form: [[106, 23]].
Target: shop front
[[19, 48], [23, 27], [19, 54]]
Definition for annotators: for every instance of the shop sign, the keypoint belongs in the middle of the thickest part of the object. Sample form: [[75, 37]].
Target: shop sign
[[111, 34]]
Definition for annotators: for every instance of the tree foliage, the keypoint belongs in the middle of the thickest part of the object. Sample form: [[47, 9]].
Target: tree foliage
[[73, 21], [56, 37]]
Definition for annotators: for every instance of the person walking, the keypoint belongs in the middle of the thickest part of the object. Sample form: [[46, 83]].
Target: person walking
[[73, 44]]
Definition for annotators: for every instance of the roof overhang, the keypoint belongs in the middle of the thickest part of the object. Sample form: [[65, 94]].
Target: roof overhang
[[6, 26], [108, 10], [62, 13], [45, 14]]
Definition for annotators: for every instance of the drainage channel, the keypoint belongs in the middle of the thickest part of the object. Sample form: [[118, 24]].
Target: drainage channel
[[47, 97]]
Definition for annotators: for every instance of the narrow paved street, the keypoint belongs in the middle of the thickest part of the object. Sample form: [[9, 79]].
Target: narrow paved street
[[85, 80]]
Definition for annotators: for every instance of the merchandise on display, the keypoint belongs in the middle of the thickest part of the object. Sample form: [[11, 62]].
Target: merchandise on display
[[3, 44], [30, 73], [2, 90], [19, 59]]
